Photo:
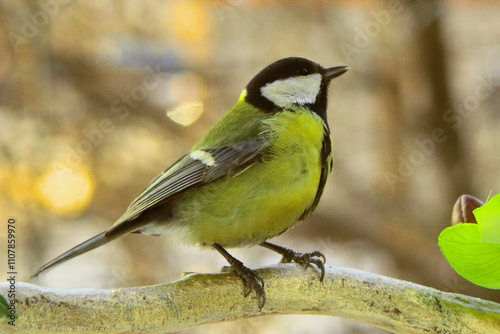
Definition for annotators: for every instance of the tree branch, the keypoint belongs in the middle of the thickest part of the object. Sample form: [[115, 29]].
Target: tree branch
[[395, 305]]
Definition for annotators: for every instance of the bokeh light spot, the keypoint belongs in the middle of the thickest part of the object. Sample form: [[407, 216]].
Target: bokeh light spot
[[67, 191], [186, 113]]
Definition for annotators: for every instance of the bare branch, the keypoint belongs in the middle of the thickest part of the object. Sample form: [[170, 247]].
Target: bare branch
[[196, 299]]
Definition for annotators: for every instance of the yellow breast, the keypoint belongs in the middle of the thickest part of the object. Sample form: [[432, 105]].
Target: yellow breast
[[266, 199]]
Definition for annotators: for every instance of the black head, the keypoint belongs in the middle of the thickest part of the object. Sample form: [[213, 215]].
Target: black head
[[292, 82]]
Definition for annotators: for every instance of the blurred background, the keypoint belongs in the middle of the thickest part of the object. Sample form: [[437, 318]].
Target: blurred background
[[98, 97]]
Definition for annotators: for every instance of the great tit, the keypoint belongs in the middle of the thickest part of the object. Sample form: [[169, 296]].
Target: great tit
[[258, 172]]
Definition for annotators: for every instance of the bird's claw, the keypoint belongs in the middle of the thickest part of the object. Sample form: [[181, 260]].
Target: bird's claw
[[252, 282], [306, 259]]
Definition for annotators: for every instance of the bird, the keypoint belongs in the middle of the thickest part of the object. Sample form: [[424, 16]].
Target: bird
[[258, 172]]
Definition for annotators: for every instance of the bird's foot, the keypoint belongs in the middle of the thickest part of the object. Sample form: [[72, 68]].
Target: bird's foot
[[252, 281], [306, 259]]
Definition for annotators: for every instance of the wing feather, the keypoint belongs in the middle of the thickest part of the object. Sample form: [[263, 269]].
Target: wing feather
[[189, 172]]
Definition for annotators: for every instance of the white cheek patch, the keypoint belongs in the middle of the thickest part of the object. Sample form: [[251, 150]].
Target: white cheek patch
[[294, 90]]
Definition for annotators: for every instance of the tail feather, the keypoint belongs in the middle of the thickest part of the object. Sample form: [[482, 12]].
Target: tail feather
[[94, 242], [85, 246]]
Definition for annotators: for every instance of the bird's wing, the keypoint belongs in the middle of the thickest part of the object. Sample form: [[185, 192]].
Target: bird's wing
[[195, 169]]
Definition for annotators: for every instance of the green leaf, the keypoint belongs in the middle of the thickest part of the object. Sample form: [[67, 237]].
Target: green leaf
[[476, 261], [3, 306], [488, 218]]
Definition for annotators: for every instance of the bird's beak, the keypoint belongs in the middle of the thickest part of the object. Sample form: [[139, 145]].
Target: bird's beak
[[336, 71]]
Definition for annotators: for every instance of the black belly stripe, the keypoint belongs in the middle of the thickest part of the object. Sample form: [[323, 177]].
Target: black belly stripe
[[326, 168]]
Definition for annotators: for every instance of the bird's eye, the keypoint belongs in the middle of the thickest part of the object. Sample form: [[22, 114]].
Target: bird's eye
[[303, 71]]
